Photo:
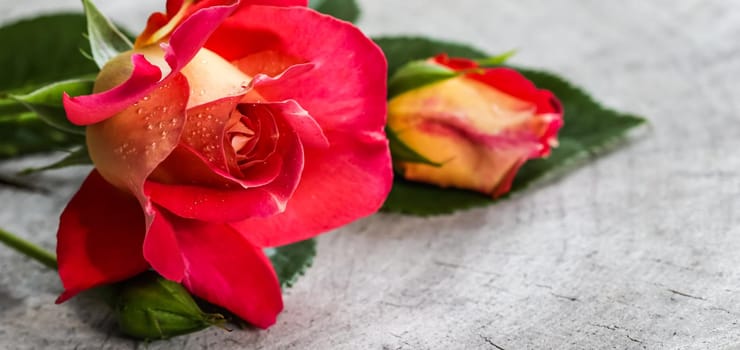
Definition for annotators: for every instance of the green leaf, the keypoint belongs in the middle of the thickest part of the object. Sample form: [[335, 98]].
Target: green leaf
[[590, 129], [47, 102], [402, 152], [36, 52], [416, 74], [343, 9], [26, 133], [106, 41], [43, 50], [79, 156], [291, 261]]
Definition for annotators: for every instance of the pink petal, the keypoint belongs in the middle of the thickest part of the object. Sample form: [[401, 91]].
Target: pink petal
[[185, 42], [348, 181], [100, 236], [227, 270], [235, 202], [303, 3], [302, 122], [504, 186], [206, 128], [129, 146], [344, 92], [162, 250], [549, 109], [192, 33], [513, 83], [347, 88], [91, 109]]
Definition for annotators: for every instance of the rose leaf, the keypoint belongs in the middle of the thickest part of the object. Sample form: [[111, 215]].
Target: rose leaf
[[79, 156], [36, 52], [589, 131], [346, 10], [291, 261]]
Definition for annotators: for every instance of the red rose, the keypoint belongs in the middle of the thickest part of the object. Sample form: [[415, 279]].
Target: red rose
[[231, 126], [480, 126]]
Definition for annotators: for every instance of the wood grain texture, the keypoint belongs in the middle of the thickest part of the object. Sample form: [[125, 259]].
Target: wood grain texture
[[637, 250]]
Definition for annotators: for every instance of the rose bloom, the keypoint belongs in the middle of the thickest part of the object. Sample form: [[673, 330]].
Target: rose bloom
[[230, 127], [480, 126]]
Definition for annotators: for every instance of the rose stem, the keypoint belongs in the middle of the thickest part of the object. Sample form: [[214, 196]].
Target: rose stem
[[29, 249]]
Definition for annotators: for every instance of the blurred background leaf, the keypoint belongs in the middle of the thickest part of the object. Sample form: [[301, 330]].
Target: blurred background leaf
[[346, 10]]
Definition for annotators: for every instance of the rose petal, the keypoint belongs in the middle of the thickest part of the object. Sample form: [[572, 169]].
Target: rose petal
[[100, 236], [344, 92], [227, 270], [193, 32], [90, 109], [549, 109], [185, 42], [346, 89], [206, 128], [513, 83], [343, 183], [159, 25], [227, 204], [301, 121], [129, 146], [162, 250]]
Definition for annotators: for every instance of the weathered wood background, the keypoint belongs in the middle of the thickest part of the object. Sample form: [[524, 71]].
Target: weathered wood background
[[638, 250]]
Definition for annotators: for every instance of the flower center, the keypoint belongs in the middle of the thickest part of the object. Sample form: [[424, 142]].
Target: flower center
[[253, 135]]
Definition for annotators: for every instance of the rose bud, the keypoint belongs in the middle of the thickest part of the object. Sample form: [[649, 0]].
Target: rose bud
[[232, 126], [150, 307], [473, 127]]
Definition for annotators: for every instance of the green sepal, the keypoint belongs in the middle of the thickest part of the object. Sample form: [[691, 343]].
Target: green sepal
[[495, 60], [150, 307], [416, 74], [346, 10], [291, 261], [47, 102], [401, 152], [79, 156], [106, 40]]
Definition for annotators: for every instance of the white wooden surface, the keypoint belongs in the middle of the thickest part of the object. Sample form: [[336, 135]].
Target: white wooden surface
[[639, 250]]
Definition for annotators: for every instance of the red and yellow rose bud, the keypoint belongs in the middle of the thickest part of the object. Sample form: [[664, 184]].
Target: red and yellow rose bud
[[476, 128]]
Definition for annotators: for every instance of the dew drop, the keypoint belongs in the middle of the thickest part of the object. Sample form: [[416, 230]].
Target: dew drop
[[202, 92], [149, 126], [146, 98], [139, 110]]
